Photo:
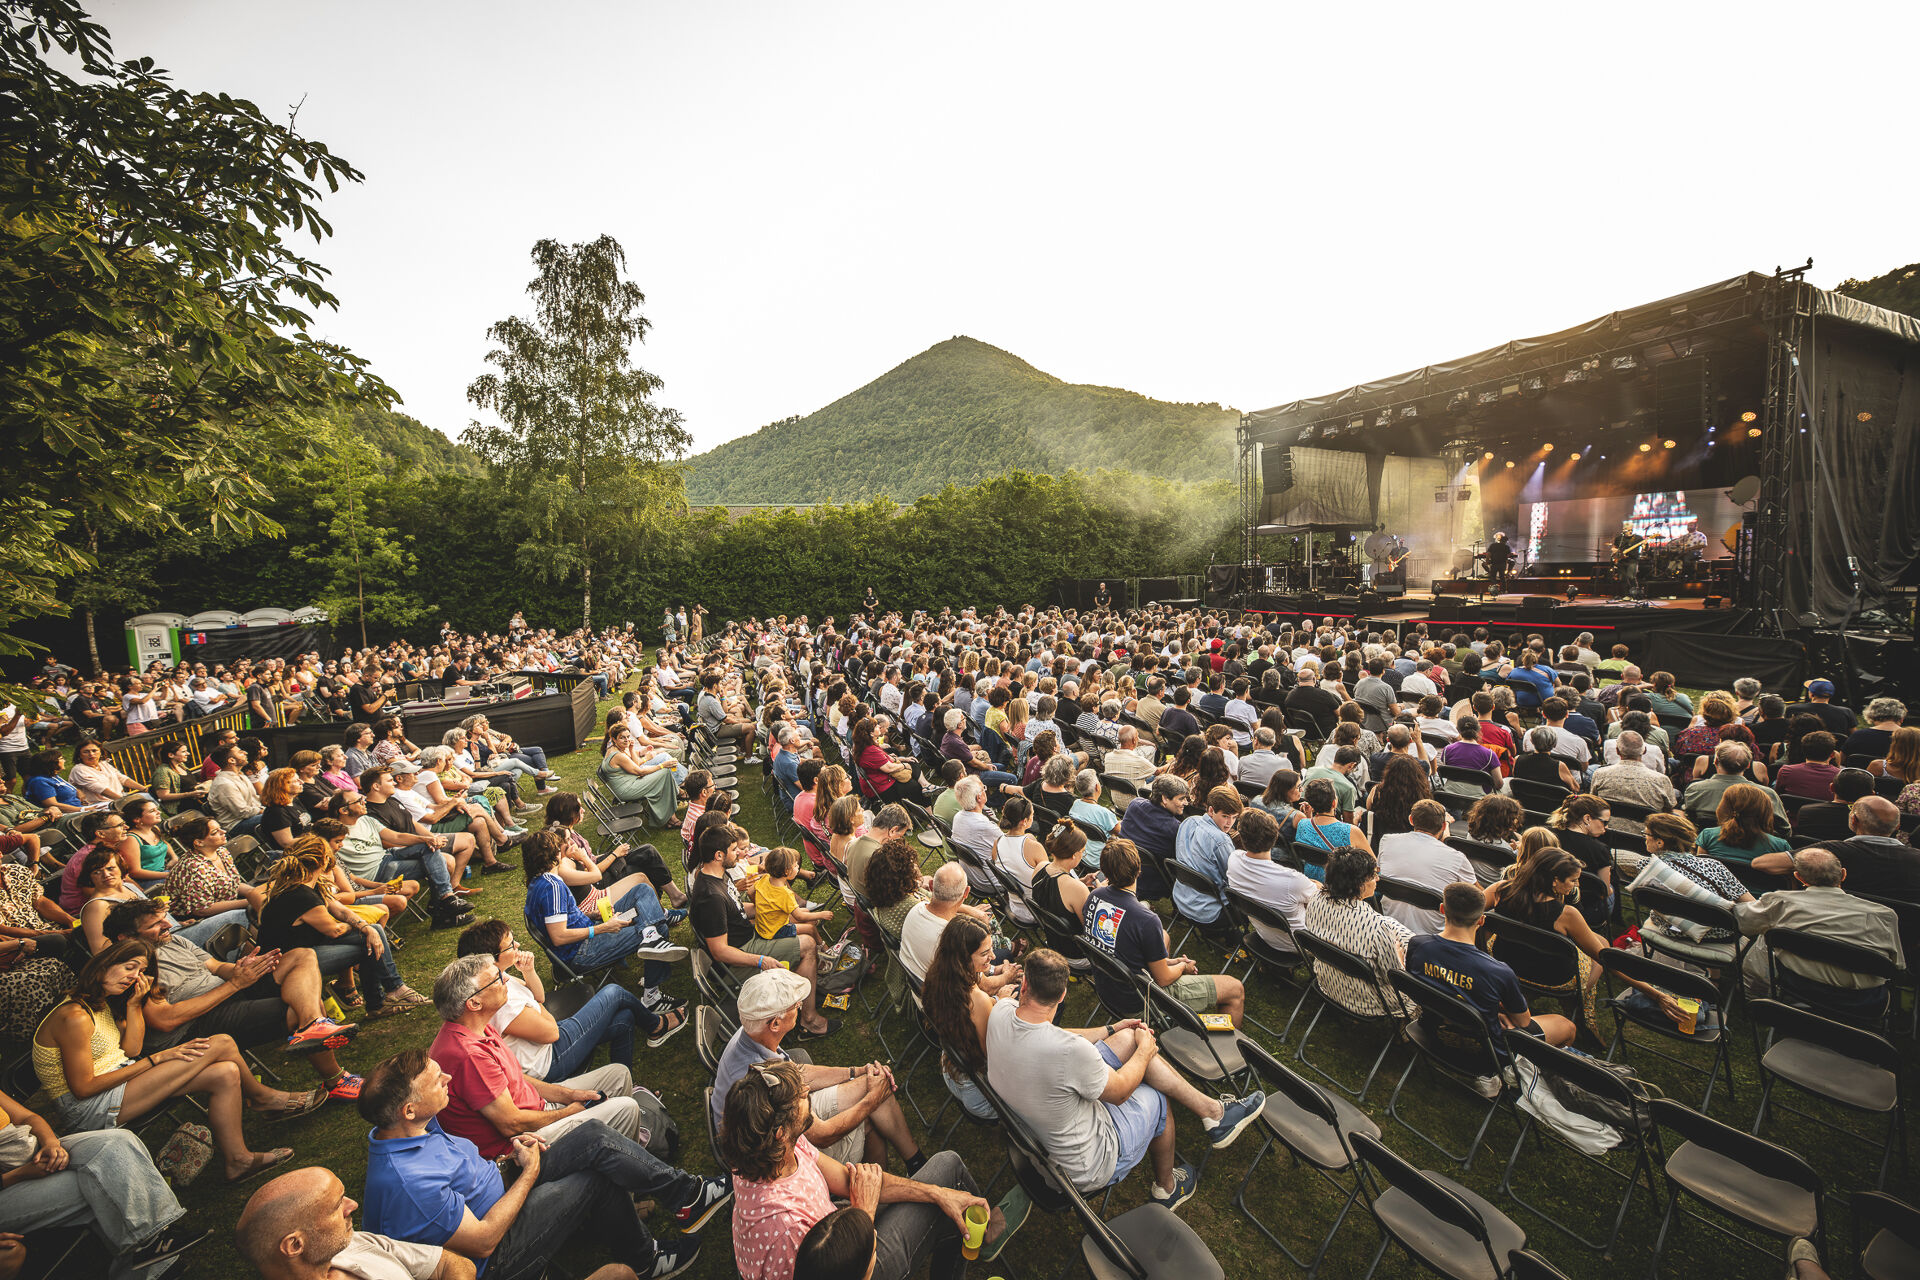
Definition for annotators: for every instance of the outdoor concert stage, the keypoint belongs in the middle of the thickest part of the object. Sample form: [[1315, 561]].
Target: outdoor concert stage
[[1754, 442]]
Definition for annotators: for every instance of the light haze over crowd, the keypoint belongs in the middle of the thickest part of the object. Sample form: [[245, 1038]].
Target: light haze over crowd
[[1233, 203]]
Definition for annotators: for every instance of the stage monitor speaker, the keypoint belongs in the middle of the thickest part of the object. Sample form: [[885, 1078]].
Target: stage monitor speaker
[[1714, 602], [1390, 588], [1534, 606], [1276, 468], [1447, 603]]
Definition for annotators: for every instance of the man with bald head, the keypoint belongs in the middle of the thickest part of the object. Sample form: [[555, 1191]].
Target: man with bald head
[[1823, 908], [1875, 858], [300, 1227]]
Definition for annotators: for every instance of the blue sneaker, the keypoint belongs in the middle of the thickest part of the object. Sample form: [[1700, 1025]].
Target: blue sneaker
[[671, 1260], [1186, 1181], [675, 916], [715, 1194], [1235, 1117]]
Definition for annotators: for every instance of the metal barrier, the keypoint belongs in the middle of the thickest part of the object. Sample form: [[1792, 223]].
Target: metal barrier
[[137, 755]]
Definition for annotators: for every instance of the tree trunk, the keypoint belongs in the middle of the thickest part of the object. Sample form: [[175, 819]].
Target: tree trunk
[[586, 598], [93, 641]]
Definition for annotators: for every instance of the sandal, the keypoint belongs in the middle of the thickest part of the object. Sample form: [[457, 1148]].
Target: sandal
[[297, 1104], [267, 1160]]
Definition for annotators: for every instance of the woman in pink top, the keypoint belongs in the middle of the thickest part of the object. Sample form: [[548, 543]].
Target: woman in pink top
[[782, 1186]]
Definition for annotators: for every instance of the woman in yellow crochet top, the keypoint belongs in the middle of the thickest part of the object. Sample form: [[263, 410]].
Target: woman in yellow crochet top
[[88, 1054]]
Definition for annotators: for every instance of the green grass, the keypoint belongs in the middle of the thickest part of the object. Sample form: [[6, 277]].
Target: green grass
[[1293, 1201]]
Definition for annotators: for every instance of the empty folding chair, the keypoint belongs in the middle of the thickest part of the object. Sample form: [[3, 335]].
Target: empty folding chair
[[1525, 1264], [1886, 1237], [1150, 1242], [1443, 1226], [1317, 1129], [1636, 1135], [1360, 973], [1466, 1056], [1682, 984], [1756, 1183], [1841, 1064]]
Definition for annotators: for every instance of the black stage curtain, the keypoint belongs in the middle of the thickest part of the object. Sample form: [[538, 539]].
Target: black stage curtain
[[1703, 659], [226, 644], [1154, 590], [1223, 581], [1864, 496]]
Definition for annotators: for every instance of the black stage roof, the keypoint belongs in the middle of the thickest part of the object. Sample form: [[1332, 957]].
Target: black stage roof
[[1606, 372]]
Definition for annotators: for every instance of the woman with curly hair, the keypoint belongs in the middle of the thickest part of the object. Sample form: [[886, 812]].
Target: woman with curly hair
[[782, 1186], [1495, 820], [1403, 784], [961, 985], [302, 911]]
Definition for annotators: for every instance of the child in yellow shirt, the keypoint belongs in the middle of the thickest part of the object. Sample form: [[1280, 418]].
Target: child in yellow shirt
[[777, 912]]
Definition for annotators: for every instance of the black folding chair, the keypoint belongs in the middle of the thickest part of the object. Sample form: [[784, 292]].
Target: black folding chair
[[1494, 858], [1886, 1237], [1264, 954], [1317, 1129], [1546, 963], [1754, 1182], [1212, 1057], [1789, 986], [1842, 1064], [1473, 1060], [1621, 964], [1637, 1134], [1219, 930], [1442, 1225], [1413, 895], [1360, 970]]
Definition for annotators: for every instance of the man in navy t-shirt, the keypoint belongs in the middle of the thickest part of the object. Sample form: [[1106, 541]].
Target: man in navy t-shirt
[[1451, 959]]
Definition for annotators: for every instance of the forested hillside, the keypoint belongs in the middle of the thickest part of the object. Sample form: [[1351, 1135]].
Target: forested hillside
[[1897, 290], [958, 413]]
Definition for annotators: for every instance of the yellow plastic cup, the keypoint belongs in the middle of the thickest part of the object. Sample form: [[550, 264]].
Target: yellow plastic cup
[[977, 1215]]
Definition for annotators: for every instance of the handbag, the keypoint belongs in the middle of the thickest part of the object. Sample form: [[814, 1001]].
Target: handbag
[[185, 1154]]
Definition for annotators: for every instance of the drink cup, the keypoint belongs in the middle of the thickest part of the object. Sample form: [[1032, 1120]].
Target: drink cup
[[1690, 1014], [976, 1231]]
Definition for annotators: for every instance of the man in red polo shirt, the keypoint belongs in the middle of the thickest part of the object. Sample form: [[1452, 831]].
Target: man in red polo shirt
[[492, 1100]]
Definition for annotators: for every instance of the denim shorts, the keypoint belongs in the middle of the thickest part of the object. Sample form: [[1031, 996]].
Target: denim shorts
[[101, 1111], [1140, 1119]]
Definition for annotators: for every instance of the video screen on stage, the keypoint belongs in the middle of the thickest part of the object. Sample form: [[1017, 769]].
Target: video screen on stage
[[1584, 528]]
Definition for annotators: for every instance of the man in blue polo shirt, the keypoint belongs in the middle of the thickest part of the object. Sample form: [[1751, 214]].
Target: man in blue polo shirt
[[427, 1186]]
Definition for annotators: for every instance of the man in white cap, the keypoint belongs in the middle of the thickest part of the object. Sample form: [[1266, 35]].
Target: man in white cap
[[856, 1118]]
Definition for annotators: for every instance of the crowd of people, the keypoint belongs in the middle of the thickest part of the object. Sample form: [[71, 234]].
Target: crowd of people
[[1394, 794]]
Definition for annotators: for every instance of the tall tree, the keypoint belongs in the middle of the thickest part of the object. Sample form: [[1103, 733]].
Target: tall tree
[[153, 308], [581, 443]]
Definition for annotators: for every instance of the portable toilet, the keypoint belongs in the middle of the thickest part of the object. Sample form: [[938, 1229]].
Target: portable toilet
[[154, 635]]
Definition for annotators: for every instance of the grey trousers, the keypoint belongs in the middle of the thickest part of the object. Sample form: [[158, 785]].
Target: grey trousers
[[906, 1234], [109, 1184]]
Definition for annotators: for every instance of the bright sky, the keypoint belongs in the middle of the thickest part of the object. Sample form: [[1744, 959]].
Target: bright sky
[[1237, 203]]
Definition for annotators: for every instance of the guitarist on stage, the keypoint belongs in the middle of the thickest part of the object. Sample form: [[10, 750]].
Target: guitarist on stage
[[1628, 547], [1395, 573]]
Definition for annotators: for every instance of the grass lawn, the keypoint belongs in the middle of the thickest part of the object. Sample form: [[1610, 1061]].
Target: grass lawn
[[1293, 1201]]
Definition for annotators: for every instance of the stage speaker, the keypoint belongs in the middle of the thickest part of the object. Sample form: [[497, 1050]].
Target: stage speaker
[[1448, 603], [1680, 397], [1534, 606], [1276, 468], [1714, 602], [1390, 588]]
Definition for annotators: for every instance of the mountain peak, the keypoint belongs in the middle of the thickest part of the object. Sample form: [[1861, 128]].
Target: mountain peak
[[957, 413]]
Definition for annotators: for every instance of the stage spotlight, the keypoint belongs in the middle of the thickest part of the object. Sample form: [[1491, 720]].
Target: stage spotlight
[[1666, 444], [1509, 464], [1546, 448], [1753, 432], [1863, 417], [1487, 457], [1646, 448], [1748, 416]]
